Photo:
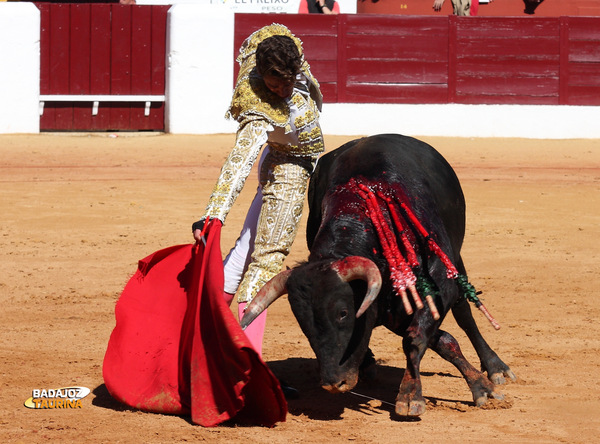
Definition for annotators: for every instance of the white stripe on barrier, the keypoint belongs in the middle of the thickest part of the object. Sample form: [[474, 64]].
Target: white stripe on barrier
[[96, 99]]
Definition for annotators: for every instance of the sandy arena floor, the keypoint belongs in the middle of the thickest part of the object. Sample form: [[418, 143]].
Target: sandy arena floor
[[78, 211]]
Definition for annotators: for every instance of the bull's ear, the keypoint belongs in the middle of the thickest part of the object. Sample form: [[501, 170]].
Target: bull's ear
[[272, 290]]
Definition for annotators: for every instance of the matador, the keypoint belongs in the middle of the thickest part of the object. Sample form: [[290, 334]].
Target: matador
[[290, 128]]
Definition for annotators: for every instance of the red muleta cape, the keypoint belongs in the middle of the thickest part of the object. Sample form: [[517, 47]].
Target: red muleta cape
[[177, 347]]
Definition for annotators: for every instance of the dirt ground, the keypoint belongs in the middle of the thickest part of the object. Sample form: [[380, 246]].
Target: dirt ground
[[78, 211]]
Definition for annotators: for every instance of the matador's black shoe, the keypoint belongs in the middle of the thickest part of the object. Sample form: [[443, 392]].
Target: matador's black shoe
[[288, 391]]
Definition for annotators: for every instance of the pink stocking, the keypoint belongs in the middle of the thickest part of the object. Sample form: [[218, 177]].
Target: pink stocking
[[254, 332], [228, 297]]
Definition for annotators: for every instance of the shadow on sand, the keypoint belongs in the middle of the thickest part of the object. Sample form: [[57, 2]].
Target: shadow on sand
[[375, 397]]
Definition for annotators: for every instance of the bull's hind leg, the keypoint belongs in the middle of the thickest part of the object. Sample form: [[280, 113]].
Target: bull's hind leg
[[447, 347], [496, 369]]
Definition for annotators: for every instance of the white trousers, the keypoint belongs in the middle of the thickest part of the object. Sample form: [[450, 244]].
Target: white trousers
[[236, 262]]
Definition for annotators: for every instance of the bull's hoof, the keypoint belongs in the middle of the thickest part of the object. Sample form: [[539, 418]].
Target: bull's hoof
[[497, 371], [412, 408], [499, 378], [482, 399]]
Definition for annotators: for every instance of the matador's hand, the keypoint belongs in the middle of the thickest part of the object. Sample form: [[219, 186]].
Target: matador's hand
[[197, 228]]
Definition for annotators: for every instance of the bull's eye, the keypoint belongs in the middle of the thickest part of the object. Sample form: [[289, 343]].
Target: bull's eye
[[343, 314]]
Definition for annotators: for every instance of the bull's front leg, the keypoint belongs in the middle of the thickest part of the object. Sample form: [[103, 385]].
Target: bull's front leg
[[410, 401], [447, 347]]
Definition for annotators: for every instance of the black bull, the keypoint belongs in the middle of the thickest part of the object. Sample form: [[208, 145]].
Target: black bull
[[387, 215]]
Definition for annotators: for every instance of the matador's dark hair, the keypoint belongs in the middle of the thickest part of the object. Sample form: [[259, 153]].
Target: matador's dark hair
[[278, 56]]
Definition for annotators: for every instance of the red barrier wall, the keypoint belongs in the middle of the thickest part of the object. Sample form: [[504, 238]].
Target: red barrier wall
[[497, 8], [367, 58], [99, 49], [103, 49]]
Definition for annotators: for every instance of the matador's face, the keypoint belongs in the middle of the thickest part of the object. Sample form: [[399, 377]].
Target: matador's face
[[283, 88]]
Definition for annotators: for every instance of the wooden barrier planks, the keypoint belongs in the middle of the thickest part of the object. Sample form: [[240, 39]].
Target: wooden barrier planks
[[395, 59], [368, 58], [108, 49], [102, 49], [582, 60], [507, 60]]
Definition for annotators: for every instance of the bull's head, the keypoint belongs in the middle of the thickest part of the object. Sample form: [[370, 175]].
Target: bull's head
[[329, 300]]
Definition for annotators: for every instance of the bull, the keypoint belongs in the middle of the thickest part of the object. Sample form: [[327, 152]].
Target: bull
[[385, 230]]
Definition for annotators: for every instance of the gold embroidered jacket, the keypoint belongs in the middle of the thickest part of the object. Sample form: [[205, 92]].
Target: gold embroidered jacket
[[289, 126]]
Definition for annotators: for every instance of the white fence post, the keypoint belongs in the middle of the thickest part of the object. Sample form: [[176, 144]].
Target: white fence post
[[199, 72], [20, 72]]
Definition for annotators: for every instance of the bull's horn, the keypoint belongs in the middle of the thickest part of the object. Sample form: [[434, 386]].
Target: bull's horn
[[273, 289], [358, 267]]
